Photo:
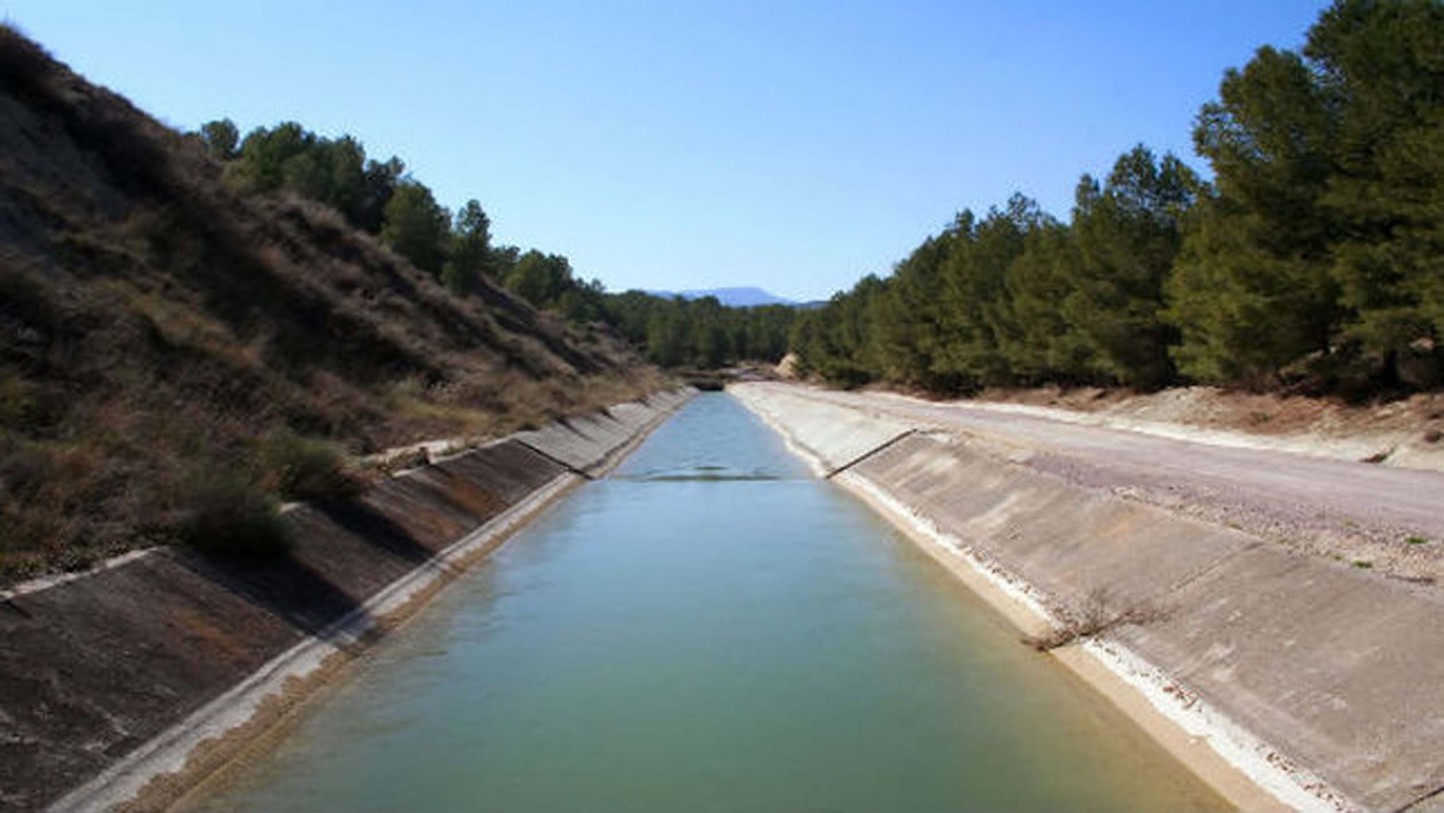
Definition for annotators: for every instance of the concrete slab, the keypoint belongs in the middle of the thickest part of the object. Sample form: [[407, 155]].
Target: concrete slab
[[1068, 543], [834, 435], [99, 665], [587, 443], [1334, 666], [580, 443]]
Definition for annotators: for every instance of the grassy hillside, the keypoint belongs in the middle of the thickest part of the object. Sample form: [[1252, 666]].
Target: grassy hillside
[[162, 331]]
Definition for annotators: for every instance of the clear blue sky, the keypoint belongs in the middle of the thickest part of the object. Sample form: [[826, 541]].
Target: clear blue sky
[[791, 145]]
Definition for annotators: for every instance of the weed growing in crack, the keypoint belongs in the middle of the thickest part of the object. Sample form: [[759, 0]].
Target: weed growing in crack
[[1099, 612]]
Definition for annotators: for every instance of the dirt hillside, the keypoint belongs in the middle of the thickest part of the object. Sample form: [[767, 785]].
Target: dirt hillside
[[158, 325]]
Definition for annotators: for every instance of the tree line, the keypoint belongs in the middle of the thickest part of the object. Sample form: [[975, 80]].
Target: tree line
[[701, 332], [1314, 258], [383, 199]]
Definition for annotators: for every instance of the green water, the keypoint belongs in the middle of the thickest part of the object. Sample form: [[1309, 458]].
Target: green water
[[710, 629]]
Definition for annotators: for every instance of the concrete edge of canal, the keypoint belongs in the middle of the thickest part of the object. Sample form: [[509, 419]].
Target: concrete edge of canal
[[1286, 682], [127, 686]]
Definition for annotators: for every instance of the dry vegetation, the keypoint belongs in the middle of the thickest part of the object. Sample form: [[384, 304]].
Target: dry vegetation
[[162, 334], [1099, 612]]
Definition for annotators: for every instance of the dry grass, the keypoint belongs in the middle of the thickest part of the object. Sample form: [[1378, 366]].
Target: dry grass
[[302, 468], [1099, 612], [227, 515], [156, 322]]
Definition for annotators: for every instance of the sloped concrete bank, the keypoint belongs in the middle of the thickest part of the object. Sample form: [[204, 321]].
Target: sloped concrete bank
[[1320, 683], [135, 681]]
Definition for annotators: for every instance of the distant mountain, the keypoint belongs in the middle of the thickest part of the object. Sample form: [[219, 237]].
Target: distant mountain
[[744, 297]]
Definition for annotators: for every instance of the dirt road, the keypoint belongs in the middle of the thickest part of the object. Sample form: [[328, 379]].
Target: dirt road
[[1391, 520]]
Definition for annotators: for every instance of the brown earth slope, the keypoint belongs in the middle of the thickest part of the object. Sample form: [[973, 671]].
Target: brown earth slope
[[157, 324]]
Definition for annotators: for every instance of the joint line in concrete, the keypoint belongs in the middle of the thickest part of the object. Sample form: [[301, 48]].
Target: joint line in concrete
[[564, 464], [1421, 800], [865, 455]]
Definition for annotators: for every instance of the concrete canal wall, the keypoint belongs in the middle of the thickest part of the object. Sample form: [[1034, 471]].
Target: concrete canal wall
[[1321, 682], [144, 675]]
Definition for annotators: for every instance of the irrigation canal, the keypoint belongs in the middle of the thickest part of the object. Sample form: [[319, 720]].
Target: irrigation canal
[[709, 628]]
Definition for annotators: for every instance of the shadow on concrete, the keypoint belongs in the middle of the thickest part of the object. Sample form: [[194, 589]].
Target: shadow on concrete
[[374, 528], [567, 423], [291, 590]]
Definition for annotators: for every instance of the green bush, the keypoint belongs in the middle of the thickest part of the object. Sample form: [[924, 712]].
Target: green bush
[[227, 514], [302, 468]]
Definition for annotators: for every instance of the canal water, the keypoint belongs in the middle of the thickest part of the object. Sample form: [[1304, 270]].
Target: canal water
[[710, 629]]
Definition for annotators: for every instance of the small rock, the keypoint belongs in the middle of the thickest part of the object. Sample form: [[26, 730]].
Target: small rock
[[1433, 435]]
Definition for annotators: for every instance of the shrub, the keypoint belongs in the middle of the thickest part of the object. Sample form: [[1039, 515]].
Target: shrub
[[304, 468], [227, 514]]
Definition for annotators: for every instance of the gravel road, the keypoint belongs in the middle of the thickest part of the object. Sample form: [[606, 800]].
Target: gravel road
[[1388, 519]]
